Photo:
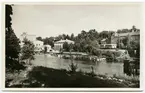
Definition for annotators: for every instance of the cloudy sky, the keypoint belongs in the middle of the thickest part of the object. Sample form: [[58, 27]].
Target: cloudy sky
[[52, 20]]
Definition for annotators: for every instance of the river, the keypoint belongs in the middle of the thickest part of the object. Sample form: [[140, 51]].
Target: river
[[104, 68]]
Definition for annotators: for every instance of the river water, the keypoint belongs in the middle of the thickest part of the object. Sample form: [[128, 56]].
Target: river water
[[104, 68]]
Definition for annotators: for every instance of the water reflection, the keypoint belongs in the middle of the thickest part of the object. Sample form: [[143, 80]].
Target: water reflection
[[60, 63]]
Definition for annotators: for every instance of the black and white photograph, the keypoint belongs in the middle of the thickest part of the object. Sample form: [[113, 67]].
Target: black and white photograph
[[72, 45]]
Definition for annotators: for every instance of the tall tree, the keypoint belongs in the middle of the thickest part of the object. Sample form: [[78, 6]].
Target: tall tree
[[125, 41], [66, 47], [103, 34], [28, 51], [72, 36], [49, 41], [12, 42]]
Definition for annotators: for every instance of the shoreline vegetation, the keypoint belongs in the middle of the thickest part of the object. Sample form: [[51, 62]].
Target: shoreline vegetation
[[108, 55]]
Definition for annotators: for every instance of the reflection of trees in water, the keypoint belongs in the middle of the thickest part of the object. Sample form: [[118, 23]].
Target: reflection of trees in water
[[131, 68], [45, 60], [99, 67], [45, 49]]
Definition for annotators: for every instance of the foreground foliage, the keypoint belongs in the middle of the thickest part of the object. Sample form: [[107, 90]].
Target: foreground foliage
[[48, 77], [27, 51]]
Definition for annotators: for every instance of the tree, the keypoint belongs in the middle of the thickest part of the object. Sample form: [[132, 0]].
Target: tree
[[72, 36], [93, 34], [97, 52], [110, 33], [39, 38], [12, 42], [45, 49], [67, 37], [95, 44], [103, 34], [125, 41], [133, 28], [133, 46], [27, 51], [118, 42], [66, 47], [77, 47], [128, 42], [49, 41], [8, 13], [94, 47], [122, 46]]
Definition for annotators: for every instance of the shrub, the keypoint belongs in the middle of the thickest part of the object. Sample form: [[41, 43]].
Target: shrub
[[92, 72], [73, 67], [97, 52], [27, 50], [13, 65]]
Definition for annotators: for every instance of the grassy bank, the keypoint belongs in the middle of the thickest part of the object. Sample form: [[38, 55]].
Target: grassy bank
[[48, 77]]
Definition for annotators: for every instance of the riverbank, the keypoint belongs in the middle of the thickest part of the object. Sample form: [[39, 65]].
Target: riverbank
[[47, 77], [109, 55]]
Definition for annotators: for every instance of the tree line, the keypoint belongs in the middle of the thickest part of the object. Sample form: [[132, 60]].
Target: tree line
[[88, 36], [89, 41], [86, 41]]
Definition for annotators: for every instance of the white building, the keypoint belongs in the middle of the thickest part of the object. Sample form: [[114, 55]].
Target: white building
[[59, 44], [38, 44], [108, 46], [48, 48]]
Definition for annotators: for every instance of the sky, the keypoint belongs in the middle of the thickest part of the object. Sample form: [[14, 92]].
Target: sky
[[53, 20]]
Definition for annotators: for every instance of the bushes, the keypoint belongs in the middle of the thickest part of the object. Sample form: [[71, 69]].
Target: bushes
[[113, 56], [14, 65], [97, 52], [27, 50], [92, 73], [73, 67], [132, 46]]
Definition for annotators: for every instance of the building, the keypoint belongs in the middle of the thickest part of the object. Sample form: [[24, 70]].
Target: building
[[59, 44], [103, 41], [134, 35], [29, 37], [108, 46], [38, 44], [47, 48]]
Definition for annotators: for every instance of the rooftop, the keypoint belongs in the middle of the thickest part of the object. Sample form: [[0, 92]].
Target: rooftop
[[63, 41], [103, 39], [125, 34]]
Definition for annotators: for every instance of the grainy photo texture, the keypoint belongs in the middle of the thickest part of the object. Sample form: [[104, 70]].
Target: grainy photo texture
[[72, 46]]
